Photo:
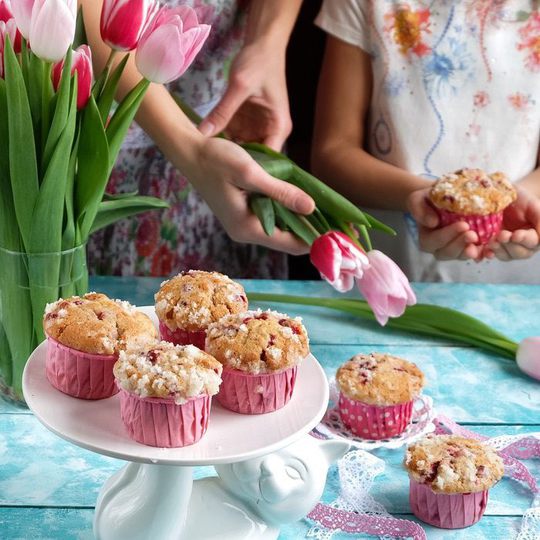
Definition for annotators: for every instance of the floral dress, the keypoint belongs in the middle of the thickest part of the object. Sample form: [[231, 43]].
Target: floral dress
[[456, 84], [186, 235]]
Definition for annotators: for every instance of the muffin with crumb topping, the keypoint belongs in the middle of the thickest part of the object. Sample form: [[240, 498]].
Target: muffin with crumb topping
[[84, 337], [450, 477], [187, 303], [377, 392], [260, 352], [473, 196], [166, 392]]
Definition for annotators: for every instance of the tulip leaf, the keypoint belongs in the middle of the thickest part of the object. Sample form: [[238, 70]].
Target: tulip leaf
[[112, 210], [93, 168], [22, 151], [61, 111], [108, 92], [80, 30], [298, 225], [263, 208], [122, 118], [70, 235], [117, 196], [35, 84]]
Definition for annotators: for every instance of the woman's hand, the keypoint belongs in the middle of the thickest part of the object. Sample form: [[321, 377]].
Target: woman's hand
[[255, 106], [454, 241], [224, 174], [520, 237]]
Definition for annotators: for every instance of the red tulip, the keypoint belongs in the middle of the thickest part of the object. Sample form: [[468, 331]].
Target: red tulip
[[82, 64], [170, 44], [5, 15], [8, 28], [124, 21], [338, 260], [385, 287]]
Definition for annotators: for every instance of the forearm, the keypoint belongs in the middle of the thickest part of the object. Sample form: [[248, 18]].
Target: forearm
[[158, 115], [531, 182], [364, 179], [271, 23]]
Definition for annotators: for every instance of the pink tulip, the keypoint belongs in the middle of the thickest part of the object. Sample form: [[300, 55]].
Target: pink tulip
[[52, 28], [385, 287], [22, 11], [82, 64], [6, 15], [528, 357], [170, 43], [8, 28], [338, 260], [124, 21]]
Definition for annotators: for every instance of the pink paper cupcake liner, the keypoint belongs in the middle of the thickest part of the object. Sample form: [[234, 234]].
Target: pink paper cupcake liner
[[182, 337], [486, 227], [445, 511], [373, 421], [163, 423], [79, 374], [256, 394]]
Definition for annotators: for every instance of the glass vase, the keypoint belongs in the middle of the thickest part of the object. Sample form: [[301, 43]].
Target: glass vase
[[28, 282]]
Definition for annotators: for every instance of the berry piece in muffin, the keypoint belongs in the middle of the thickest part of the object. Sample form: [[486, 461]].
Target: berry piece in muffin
[[95, 324], [260, 352], [258, 341], [377, 392], [453, 464]]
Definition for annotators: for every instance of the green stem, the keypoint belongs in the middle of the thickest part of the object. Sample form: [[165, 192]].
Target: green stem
[[46, 95], [365, 236], [410, 321], [309, 225]]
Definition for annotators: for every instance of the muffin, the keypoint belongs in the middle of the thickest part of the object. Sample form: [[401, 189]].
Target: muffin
[[377, 392], [190, 301], [260, 352], [165, 393], [449, 479], [84, 336], [475, 197]]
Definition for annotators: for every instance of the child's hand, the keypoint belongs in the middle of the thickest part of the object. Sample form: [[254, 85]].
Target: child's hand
[[454, 241], [520, 237]]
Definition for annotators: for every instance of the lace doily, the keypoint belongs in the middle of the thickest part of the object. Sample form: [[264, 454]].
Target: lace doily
[[331, 425]]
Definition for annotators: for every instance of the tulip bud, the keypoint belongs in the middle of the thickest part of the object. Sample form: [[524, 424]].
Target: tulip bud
[[123, 22], [338, 260], [170, 43], [52, 28], [8, 28], [22, 11], [82, 64], [6, 14], [385, 287], [528, 357]]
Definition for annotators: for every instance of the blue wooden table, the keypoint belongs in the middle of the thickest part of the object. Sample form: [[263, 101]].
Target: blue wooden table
[[48, 487]]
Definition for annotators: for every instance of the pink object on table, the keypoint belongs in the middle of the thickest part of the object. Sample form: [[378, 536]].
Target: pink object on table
[[447, 511], [162, 422], [246, 393], [182, 337], [80, 374], [374, 421], [486, 227]]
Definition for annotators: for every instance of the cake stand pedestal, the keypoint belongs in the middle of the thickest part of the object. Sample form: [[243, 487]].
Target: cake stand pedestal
[[270, 471]]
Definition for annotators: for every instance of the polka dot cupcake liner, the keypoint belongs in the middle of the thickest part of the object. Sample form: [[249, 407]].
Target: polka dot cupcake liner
[[420, 423], [486, 227], [372, 421], [80, 374], [246, 393], [162, 422], [446, 511], [183, 337]]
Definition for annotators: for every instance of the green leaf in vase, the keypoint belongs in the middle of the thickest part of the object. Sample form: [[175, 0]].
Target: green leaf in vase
[[108, 92], [22, 151]]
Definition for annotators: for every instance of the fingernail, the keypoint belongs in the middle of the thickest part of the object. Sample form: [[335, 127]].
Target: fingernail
[[207, 128]]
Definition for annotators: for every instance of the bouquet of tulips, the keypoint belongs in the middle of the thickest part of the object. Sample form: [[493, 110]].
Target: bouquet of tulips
[[59, 138]]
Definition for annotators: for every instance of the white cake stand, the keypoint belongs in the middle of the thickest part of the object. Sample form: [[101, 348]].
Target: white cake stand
[[270, 471]]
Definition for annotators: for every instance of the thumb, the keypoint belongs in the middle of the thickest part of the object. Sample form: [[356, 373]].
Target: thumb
[[220, 116], [288, 195], [421, 209]]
